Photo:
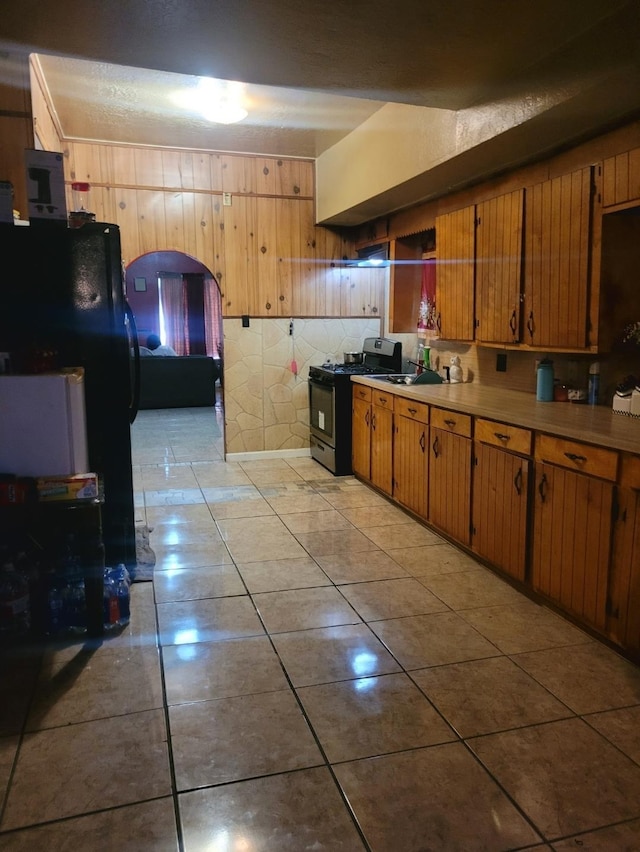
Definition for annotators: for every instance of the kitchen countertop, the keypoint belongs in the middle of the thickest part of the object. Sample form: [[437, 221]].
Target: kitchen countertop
[[592, 424]]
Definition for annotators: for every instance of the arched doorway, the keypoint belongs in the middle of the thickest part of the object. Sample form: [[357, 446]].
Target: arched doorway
[[177, 297]]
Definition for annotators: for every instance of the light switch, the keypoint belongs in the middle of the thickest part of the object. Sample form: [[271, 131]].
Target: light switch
[[226, 199]]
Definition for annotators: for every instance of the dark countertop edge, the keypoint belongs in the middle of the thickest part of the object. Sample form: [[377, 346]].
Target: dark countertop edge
[[597, 425]]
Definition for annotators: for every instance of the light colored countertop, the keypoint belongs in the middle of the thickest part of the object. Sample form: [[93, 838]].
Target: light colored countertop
[[593, 424]]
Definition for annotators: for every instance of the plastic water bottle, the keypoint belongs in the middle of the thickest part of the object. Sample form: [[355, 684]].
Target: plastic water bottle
[[544, 383], [123, 583], [594, 383], [111, 612]]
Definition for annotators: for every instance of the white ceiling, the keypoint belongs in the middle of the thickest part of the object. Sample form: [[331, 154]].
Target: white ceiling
[[315, 70]]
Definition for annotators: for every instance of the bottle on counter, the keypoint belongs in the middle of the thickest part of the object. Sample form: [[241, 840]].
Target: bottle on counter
[[594, 383], [544, 381]]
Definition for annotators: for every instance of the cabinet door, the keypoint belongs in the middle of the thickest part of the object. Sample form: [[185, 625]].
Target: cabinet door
[[499, 515], [361, 437], [405, 280], [499, 225], [450, 483], [572, 540], [557, 260], [621, 178], [455, 274], [410, 463], [382, 448], [623, 610]]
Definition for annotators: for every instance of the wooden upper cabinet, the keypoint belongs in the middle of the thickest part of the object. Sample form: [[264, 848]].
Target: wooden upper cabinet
[[455, 274], [557, 261], [499, 224], [621, 179], [405, 284]]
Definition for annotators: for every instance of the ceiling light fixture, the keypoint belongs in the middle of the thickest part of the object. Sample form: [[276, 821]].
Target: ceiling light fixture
[[220, 101]]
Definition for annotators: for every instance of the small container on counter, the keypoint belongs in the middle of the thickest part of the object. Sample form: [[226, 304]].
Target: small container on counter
[[544, 381]]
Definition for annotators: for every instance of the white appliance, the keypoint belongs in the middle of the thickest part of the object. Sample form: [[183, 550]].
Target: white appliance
[[43, 429]]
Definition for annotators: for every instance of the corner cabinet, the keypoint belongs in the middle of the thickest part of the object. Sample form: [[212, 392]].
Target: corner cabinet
[[557, 261]]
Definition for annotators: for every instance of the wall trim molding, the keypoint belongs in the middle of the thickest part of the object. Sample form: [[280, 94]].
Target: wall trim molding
[[262, 455]]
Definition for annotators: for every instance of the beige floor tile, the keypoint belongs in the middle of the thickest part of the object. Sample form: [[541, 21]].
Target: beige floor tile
[[393, 536], [221, 510], [523, 626], [193, 556], [210, 581], [221, 670], [291, 503], [20, 668], [278, 545], [8, 751], [471, 589], [273, 476], [587, 678], [280, 574], [186, 622], [374, 516], [303, 522], [238, 529], [335, 541], [310, 469], [360, 566], [171, 476], [215, 742], [183, 535], [79, 768], [89, 686], [617, 838], [384, 599], [564, 776], [174, 497], [288, 813], [620, 727], [216, 474], [433, 558], [369, 716], [143, 827], [485, 696], [327, 654], [352, 497], [432, 640], [301, 609], [193, 514], [420, 800]]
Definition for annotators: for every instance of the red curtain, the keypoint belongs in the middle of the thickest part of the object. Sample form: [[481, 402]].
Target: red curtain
[[191, 309]]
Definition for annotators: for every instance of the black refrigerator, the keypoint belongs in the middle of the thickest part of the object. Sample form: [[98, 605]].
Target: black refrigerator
[[63, 304]]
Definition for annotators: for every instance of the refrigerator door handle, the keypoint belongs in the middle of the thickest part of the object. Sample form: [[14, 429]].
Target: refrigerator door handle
[[135, 345]]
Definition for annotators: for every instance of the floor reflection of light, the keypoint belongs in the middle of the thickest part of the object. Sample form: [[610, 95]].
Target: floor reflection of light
[[183, 637], [224, 841], [364, 684], [172, 572], [171, 560], [187, 652], [364, 663], [172, 537]]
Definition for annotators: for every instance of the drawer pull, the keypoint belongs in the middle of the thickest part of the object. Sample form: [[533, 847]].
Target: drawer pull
[[450, 423], [434, 447], [517, 482], [501, 436], [412, 410], [382, 401], [542, 488], [575, 457]]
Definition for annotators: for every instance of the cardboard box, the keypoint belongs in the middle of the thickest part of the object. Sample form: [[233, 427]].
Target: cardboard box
[[43, 428], [82, 486]]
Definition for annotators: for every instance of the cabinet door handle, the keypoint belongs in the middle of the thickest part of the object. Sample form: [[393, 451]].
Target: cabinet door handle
[[542, 488], [517, 482], [502, 437], [450, 423], [513, 325], [373, 420], [575, 457], [530, 324], [422, 442], [366, 417], [439, 322], [434, 447]]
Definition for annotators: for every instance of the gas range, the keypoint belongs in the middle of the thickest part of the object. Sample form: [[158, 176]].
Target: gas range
[[379, 355]]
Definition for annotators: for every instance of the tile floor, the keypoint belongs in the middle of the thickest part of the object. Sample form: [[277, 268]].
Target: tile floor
[[311, 669]]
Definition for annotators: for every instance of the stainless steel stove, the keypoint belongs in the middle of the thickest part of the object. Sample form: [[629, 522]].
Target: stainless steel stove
[[330, 401]]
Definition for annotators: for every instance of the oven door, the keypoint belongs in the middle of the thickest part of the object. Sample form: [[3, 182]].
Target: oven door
[[322, 411]]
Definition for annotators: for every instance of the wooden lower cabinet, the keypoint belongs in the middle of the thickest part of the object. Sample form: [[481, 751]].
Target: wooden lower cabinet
[[382, 442], [450, 483], [571, 541], [361, 431], [500, 508], [411, 456], [623, 605]]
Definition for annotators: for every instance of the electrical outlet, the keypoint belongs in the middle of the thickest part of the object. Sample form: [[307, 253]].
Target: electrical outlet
[[226, 199], [501, 362]]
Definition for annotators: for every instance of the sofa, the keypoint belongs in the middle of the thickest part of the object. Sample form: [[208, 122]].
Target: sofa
[[181, 381]]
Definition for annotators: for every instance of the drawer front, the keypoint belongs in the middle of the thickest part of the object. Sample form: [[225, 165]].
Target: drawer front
[[596, 461], [451, 421], [362, 392], [630, 472], [510, 438], [384, 400], [411, 409]]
